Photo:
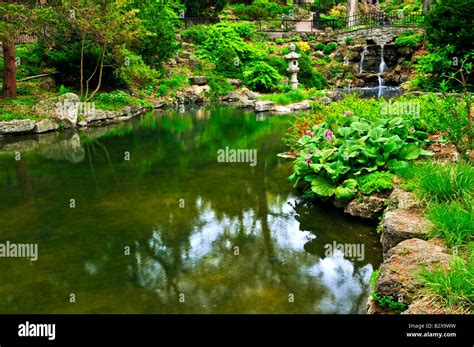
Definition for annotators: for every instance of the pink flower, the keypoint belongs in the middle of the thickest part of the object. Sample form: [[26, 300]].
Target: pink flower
[[329, 135], [309, 133]]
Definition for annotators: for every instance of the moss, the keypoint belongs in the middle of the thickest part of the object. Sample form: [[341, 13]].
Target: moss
[[375, 182]]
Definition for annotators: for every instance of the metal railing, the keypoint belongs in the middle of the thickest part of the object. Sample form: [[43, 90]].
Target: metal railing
[[350, 23]]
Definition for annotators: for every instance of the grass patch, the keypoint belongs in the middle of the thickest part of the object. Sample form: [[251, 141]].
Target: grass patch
[[441, 183], [8, 116], [293, 96], [453, 287], [453, 222]]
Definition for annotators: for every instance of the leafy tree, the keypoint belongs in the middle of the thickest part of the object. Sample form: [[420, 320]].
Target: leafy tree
[[160, 21], [450, 23], [451, 42], [98, 29], [18, 17]]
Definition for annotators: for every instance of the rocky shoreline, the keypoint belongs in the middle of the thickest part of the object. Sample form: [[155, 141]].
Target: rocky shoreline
[[66, 111], [406, 249]]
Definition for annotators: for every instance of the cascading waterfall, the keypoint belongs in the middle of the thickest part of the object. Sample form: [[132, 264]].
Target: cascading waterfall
[[362, 58], [383, 66], [382, 69]]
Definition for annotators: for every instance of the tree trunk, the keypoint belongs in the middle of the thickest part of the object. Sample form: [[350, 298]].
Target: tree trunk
[[352, 13], [9, 66], [9, 69]]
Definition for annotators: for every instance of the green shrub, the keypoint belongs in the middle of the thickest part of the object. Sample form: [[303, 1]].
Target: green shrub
[[175, 82], [196, 34], [261, 76], [375, 182], [296, 38], [64, 90], [308, 76], [453, 287], [133, 72], [409, 39], [327, 49], [226, 48], [349, 40], [117, 97], [219, 86], [341, 148], [279, 63]]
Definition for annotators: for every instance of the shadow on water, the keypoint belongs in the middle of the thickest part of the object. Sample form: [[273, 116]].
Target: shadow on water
[[160, 226]]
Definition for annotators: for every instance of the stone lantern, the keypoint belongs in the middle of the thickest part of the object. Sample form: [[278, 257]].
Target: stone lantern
[[293, 68]]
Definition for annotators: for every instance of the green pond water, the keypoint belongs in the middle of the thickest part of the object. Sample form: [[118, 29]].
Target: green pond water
[[172, 230]]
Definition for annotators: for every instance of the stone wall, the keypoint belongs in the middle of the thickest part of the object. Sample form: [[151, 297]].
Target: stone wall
[[379, 35]]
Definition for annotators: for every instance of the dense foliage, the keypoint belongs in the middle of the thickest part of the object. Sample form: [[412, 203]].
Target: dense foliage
[[335, 152]]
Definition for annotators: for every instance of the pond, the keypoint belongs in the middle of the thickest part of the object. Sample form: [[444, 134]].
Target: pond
[[141, 217]]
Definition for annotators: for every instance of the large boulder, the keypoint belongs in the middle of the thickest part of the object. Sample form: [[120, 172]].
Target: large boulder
[[44, 126], [263, 106], [404, 200], [248, 103], [16, 126], [369, 207], [281, 109], [198, 80], [399, 272], [399, 225], [63, 108], [304, 105]]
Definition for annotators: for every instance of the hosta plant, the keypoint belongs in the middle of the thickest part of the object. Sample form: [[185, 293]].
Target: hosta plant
[[332, 155]]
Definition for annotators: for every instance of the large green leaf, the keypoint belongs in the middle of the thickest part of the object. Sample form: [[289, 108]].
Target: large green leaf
[[390, 147], [397, 165], [410, 151], [322, 187], [359, 126], [316, 167], [335, 169], [345, 131], [376, 133], [347, 189]]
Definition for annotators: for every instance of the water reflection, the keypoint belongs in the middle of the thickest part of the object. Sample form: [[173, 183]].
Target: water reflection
[[230, 237]]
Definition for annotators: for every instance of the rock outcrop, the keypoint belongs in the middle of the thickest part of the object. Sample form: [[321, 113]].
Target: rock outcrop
[[399, 272], [399, 225], [63, 109], [369, 207], [263, 106], [44, 126], [16, 126]]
